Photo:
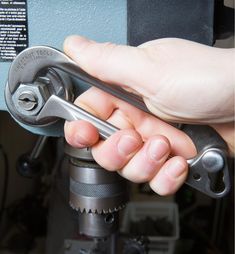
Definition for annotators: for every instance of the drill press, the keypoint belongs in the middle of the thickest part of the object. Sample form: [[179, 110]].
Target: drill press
[[97, 195]]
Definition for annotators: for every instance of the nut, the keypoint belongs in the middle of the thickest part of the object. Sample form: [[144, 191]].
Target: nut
[[27, 100], [30, 98]]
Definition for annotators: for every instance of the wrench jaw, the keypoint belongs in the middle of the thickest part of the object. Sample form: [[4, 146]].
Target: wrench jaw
[[32, 80], [27, 66], [28, 99]]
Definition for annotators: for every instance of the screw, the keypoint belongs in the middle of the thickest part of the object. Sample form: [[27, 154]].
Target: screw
[[27, 100]]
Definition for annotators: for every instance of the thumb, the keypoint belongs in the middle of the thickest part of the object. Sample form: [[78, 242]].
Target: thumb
[[115, 64], [121, 65]]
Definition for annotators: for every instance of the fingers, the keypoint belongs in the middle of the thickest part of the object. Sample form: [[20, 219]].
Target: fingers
[[142, 162], [171, 176], [135, 160], [80, 134], [147, 161], [126, 153], [125, 150], [113, 153], [125, 116]]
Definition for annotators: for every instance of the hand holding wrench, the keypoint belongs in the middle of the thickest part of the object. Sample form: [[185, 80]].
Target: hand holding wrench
[[208, 170]]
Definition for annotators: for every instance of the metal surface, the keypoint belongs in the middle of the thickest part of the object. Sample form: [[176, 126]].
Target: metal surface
[[208, 173], [21, 103], [27, 100], [39, 146], [96, 194], [213, 161], [89, 246], [57, 107], [98, 225], [28, 64], [104, 20], [30, 165], [93, 189]]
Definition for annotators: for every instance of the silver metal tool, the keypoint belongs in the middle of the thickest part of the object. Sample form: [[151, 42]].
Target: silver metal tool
[[57, 107], [208, 170], [31, 61]]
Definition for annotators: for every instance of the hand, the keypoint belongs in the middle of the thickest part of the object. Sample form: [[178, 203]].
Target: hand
[[176, 78]]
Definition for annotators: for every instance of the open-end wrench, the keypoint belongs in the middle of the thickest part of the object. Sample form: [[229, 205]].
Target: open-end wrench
[[208, 170], [208, 162], [31, 61]]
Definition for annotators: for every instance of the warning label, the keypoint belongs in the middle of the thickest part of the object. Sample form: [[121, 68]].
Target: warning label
[[13, 28]]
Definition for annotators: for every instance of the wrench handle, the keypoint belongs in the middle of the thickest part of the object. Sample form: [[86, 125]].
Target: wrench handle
[[209, 172]]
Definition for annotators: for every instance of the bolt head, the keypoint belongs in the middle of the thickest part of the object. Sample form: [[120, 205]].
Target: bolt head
[[30, 98], [27, 100]]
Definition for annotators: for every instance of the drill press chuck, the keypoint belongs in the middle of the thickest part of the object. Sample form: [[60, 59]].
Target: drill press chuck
[[95, 193]]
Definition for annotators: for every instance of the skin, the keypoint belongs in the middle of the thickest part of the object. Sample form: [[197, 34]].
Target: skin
[[180, 81]]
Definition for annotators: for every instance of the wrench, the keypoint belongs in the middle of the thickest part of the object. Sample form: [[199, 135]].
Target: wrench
[[209, 161], [208, 169]]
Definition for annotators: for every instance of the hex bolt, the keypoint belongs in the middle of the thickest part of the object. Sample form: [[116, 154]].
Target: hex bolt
[[27, 100]]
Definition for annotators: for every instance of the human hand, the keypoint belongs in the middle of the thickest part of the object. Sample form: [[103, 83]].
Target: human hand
[[173, 79]]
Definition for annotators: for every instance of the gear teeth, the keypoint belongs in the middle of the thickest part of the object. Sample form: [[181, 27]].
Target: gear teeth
[[96, 211]]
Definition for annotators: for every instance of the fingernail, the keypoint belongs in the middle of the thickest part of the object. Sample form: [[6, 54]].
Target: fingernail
[[127, 145], [175, 170], [80, 140], [158, 149]]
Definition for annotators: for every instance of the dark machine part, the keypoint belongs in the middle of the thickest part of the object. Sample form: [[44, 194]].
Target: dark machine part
[[201, 21], [209, 167], [90, 246], [98, 225], [126, 245], [155, 19], [29, 165], [95, 193], [224, 20]]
